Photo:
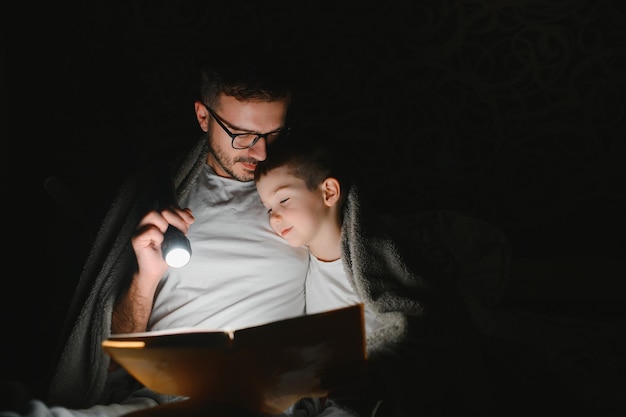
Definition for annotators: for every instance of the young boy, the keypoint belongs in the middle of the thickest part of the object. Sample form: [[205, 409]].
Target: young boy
[[301, 186], [418, 326]]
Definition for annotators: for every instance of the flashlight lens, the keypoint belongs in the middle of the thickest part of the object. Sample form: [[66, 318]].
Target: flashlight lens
[[177, 257], [175, 247]]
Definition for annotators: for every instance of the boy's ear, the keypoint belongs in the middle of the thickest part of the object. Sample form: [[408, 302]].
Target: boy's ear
[[331, 190]]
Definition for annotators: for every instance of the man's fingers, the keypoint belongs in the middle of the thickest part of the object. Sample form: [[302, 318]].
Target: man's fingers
[[152, 218], [147, 235], [179, 218]]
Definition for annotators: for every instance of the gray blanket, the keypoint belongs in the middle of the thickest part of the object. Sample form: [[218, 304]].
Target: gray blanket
[[80, 376], [428, 276], [431, 278]]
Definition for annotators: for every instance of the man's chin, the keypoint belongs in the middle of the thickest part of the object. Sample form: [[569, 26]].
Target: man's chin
[[244, 176], [246, 173]]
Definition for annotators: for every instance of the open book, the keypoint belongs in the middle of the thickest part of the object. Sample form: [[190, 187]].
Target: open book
[[263, 369]]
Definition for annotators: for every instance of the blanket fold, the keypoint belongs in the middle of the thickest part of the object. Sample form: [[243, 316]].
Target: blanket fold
[[80, 376], [418, 272]]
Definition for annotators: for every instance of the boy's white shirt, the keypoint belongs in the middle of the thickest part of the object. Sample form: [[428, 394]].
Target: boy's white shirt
[[327, 287]]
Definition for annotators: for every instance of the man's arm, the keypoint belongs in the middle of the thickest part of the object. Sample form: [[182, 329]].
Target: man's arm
[[132, 310]]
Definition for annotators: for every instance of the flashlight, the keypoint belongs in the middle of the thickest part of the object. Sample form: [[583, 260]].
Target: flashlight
[[175, 248]]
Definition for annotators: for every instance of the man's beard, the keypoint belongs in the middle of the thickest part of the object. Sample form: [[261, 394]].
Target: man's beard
[[227, 164]]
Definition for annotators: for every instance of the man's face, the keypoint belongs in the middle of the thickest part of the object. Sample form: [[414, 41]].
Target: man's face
[[239, 117]]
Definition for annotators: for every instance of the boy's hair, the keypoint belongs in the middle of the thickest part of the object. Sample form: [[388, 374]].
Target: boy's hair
[[249, 77], [309, 156]]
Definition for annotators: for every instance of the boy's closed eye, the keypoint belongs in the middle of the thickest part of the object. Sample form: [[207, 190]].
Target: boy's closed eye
[[281, 202]]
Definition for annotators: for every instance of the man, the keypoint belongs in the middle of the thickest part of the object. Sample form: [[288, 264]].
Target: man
[[231, 116], [240, 273]]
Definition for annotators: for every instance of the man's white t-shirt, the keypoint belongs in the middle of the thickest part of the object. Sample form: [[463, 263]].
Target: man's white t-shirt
[[240, 274]]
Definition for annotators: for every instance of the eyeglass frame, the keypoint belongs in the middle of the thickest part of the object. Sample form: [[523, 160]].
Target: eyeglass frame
[[233, 136]]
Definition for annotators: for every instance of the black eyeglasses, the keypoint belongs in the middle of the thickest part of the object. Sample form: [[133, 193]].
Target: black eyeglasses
[[248, 139]]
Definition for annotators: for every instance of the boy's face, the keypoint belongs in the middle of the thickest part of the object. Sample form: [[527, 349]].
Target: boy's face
[[297, 214]]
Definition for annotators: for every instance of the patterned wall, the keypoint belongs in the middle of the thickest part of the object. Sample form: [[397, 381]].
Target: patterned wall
[[511, 111]]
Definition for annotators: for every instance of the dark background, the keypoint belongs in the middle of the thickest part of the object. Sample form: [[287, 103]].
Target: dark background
[[513, 112]]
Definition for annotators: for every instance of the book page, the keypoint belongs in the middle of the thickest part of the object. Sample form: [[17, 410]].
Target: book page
[[263, 368]]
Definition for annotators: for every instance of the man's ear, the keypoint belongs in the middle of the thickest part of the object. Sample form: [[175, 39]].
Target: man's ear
[[332, 190], [202, 115]]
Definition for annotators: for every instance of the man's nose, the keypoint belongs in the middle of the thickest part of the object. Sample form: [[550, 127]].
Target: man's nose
[[259, 150]]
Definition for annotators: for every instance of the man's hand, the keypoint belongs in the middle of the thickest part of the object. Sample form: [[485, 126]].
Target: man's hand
[[148, 238], [132, 311]]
